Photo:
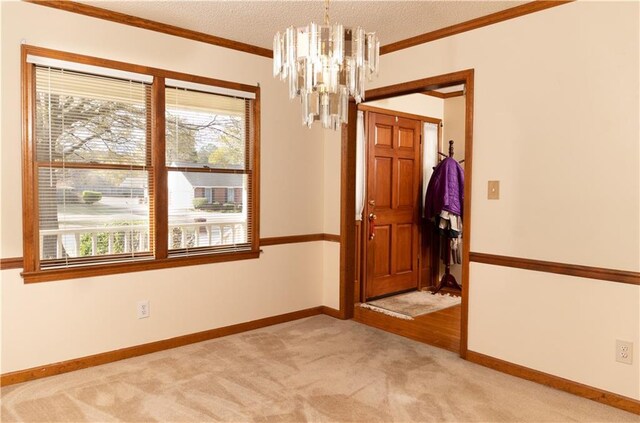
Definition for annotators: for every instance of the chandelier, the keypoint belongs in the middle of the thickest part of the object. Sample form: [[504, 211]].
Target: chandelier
[[324, 65]]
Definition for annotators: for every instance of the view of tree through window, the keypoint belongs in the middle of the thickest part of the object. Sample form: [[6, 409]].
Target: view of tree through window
[[204, 129], [91, 147], [95, 177], [205, 132]]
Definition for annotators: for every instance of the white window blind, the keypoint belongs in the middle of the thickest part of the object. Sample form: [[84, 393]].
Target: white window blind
[[193, 86], [47, 62], [93, 178]]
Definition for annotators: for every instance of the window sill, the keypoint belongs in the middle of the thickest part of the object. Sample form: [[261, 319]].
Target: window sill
[[139, 266]]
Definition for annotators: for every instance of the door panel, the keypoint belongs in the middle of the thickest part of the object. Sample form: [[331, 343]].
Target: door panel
[[404, 248], [384, 135], [382, 171], [393, 183], [406, 183], [405, 138], [382, 242]]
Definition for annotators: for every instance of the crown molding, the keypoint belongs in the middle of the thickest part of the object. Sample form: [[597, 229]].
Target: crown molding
[[503, 15], [122, 18]]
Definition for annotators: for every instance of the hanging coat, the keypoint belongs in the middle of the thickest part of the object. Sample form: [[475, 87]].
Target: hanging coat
[[445, 190]]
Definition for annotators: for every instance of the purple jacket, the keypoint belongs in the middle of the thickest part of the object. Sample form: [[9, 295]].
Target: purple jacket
[[445, 190]]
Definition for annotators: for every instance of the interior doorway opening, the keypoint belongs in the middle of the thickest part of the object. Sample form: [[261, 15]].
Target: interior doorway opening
[[405, 139]]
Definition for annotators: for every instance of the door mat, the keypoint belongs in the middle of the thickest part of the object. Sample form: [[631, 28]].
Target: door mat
[[416, 303]]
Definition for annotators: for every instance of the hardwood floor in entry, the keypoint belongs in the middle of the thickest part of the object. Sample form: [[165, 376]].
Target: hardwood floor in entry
[[440, 329]]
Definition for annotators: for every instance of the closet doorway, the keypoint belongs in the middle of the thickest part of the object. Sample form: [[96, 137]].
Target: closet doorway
[[395, 250]]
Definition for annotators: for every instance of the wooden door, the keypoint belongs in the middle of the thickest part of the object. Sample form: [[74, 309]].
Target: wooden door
[[393, 205]]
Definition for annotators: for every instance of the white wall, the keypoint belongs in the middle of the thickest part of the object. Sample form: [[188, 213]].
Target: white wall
[[1, 120], [453, 126], [48, 322], [559, 324], [1, 184], [556, 121], [418, 104], [331, 260]]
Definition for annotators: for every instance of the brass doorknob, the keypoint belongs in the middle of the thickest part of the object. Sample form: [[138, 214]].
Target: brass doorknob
[[372, 227]]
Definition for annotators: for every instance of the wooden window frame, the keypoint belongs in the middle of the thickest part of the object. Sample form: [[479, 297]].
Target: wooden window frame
[[158, 173]]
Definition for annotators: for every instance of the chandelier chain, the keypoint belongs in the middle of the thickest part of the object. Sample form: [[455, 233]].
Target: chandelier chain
[[326, 12]]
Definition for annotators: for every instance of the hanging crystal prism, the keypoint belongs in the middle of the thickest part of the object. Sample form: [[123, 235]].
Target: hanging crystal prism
[[325, 65]]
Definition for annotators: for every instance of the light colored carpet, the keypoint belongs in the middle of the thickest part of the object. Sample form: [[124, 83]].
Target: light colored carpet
[[317, 369], [412, 304]]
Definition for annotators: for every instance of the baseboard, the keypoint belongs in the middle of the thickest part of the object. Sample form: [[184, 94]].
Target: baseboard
[[111, 356], [329, 311], [595, 394]]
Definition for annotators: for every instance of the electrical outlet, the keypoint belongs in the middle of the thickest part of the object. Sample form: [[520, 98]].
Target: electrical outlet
[[143, 309], [624, 351]]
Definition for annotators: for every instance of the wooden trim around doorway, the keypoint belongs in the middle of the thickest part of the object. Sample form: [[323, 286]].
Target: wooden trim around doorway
[[384, 111], [347, 214], [347, 185], [444, 96]]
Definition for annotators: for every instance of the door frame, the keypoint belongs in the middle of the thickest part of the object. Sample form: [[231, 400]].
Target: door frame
[[347, 188]]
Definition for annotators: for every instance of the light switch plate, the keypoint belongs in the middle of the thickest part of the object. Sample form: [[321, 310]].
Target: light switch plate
[[493, 192]]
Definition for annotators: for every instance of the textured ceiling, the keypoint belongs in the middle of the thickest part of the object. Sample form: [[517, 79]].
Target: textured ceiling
[[255, 22]]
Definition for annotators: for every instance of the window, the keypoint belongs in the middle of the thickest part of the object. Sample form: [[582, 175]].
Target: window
[[208, 139], [91, 156], [129, 168], [231, 195]]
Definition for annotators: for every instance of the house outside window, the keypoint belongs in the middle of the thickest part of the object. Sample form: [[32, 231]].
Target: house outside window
[[223, 195], [111, 187]]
